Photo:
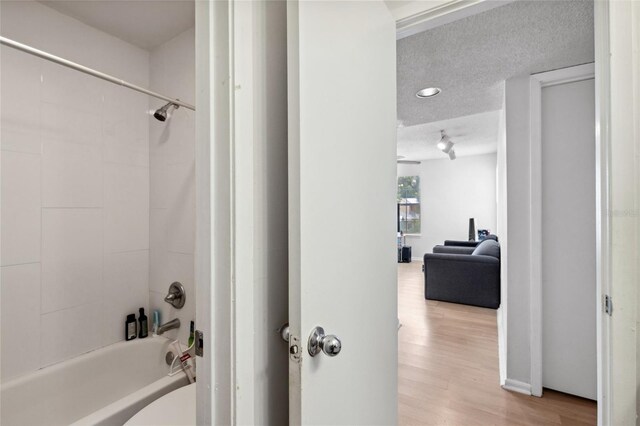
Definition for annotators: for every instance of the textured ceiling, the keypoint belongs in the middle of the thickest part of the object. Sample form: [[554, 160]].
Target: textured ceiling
[[470, 58], [473, 135], [146, 24]]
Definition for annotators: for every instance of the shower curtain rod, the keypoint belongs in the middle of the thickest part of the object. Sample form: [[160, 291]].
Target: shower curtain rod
[[86, 70]]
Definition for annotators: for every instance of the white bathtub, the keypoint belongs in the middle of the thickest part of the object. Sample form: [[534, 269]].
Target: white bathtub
[[104, 387]]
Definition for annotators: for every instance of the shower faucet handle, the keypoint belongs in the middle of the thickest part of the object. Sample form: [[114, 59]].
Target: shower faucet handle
[[176, 296]]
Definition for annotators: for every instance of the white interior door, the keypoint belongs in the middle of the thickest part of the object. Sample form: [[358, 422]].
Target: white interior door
[[342, 183], [568, 238]]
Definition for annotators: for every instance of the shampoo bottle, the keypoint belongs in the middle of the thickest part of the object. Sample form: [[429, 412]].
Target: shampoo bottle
[[144, 325], [130, 329]]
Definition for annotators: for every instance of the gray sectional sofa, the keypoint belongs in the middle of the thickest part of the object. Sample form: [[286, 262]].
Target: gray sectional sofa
[[465, 274]]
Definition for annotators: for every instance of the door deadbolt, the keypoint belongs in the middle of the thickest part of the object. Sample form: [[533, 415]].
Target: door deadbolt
[[318, 341]]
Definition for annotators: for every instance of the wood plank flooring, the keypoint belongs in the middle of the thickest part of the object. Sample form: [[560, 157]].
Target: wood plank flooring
[[448, 368]]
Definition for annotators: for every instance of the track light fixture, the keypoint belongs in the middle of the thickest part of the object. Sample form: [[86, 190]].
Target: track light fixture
[[446, 145]]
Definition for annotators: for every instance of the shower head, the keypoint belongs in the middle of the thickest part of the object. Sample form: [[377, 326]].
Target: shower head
[[161, 113]]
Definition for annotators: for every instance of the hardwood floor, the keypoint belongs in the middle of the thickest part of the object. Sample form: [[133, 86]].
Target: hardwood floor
[[448, 368]]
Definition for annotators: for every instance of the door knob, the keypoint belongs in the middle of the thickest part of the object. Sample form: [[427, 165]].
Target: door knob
[[284, 332], [318, 341]]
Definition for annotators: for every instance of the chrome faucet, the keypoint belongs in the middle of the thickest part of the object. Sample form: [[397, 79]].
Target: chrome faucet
[[175, 323]]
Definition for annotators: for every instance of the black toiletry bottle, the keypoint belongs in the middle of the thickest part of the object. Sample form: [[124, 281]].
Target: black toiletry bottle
[[144, 325], [130, 329]]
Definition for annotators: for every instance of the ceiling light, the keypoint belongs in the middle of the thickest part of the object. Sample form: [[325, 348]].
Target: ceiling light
[[428, 92], [445, 145], [452, 155], [448, 146]]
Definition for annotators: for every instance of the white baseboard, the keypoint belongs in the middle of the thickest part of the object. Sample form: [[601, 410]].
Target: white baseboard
[[416, 259], [517, 386]]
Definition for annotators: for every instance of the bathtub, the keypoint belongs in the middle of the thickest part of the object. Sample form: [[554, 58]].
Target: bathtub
[[104, 387]]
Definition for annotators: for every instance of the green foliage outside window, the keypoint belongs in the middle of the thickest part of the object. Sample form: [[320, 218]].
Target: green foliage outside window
[[409, 202]]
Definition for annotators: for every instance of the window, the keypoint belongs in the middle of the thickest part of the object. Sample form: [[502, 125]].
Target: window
[[409, 204]]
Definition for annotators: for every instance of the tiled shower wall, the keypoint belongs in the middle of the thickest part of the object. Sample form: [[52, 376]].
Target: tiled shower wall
[[75, 190], [172, 197]]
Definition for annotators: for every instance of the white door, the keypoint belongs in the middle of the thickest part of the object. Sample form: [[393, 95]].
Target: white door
[[342, 183], [568, 238]]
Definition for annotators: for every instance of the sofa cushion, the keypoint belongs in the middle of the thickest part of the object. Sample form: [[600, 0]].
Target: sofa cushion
[[488, 248]]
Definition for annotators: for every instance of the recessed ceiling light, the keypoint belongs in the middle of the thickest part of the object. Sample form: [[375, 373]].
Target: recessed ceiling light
[[428, 92]]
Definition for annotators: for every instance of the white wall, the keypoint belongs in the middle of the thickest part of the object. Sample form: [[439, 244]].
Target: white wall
[[517, 102], [172, 183], [451, 192], [75, 190]]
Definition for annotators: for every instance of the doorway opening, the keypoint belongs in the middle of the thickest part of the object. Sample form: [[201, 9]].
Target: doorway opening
[[463, 161]]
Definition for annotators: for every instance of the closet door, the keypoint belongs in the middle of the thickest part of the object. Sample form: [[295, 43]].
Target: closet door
[[569, 238]]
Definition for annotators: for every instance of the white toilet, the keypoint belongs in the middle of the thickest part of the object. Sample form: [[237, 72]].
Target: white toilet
[[173, 409]]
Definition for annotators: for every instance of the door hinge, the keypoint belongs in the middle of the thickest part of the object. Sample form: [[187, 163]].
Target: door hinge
[[608, 305], [199, 343]]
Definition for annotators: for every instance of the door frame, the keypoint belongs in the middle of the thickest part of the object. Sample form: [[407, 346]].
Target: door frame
[[215, 286], [536, 83], [603, 203], [214, 255], [457, 9]]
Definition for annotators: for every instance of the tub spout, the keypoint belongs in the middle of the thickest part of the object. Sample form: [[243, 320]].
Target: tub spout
[[175, 323]]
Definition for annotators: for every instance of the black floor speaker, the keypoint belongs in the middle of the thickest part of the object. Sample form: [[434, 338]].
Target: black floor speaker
[[404, 254]]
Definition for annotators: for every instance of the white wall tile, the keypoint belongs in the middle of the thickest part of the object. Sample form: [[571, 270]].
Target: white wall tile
[[125, 290], [126, 135], [20, 319], [80, 125], [20, 84], [70, 332], [20, 140], [71, 257], [69, 88], [159, 179], [172, 171], [21, 21], [181, 215], [158, 253], [69, 38], [127, 61], [70, 124], [72, 175], [126, 208], [20, 208]]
